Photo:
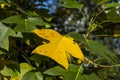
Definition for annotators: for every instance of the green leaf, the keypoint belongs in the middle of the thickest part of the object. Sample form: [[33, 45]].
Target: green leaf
[[98, 2], [77, 37], [38, 59], [112, 5], [24, 68], [9, 72], [5, 32], [31, 75], [15, 75], [2, 1], [24, 25], [113, 16], [91, 76], [72, 4], [97, 48], [48, 78], [74, 73], [55, 71]]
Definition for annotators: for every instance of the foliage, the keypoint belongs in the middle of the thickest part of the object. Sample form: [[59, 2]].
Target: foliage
[[61, 54]]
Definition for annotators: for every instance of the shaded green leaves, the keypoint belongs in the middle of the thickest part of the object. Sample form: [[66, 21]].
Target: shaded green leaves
[[24, 25]]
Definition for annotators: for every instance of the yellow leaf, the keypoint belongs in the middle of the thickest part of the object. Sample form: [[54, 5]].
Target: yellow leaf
[[2, 5], [58, 47], [5, 78]]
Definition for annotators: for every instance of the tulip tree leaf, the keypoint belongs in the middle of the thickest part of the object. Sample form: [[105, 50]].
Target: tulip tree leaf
[[58, 48], [5, 32], [24, 25]]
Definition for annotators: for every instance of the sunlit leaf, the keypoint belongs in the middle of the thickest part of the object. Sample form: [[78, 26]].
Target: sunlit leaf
[[58, 47]]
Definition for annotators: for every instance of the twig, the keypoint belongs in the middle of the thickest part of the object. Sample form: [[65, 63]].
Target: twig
[[102, 66]]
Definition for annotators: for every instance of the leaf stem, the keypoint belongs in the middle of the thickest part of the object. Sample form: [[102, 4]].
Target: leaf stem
[[102, 66], [79, 70], [90, 29]]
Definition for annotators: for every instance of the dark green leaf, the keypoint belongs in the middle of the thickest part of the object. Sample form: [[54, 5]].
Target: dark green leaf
[[49, 78], [113, 16], [38, 59], [98, 2], [77, 37], [24, 25], [97, 48], [91, 76], [72, 4]]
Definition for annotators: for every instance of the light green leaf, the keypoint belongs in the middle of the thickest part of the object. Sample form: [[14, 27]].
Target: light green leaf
[[9, 72], [97, 48], [32, 75], [112, 5], [24, 25], [5, 32], [24, 68], [72, 4]]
